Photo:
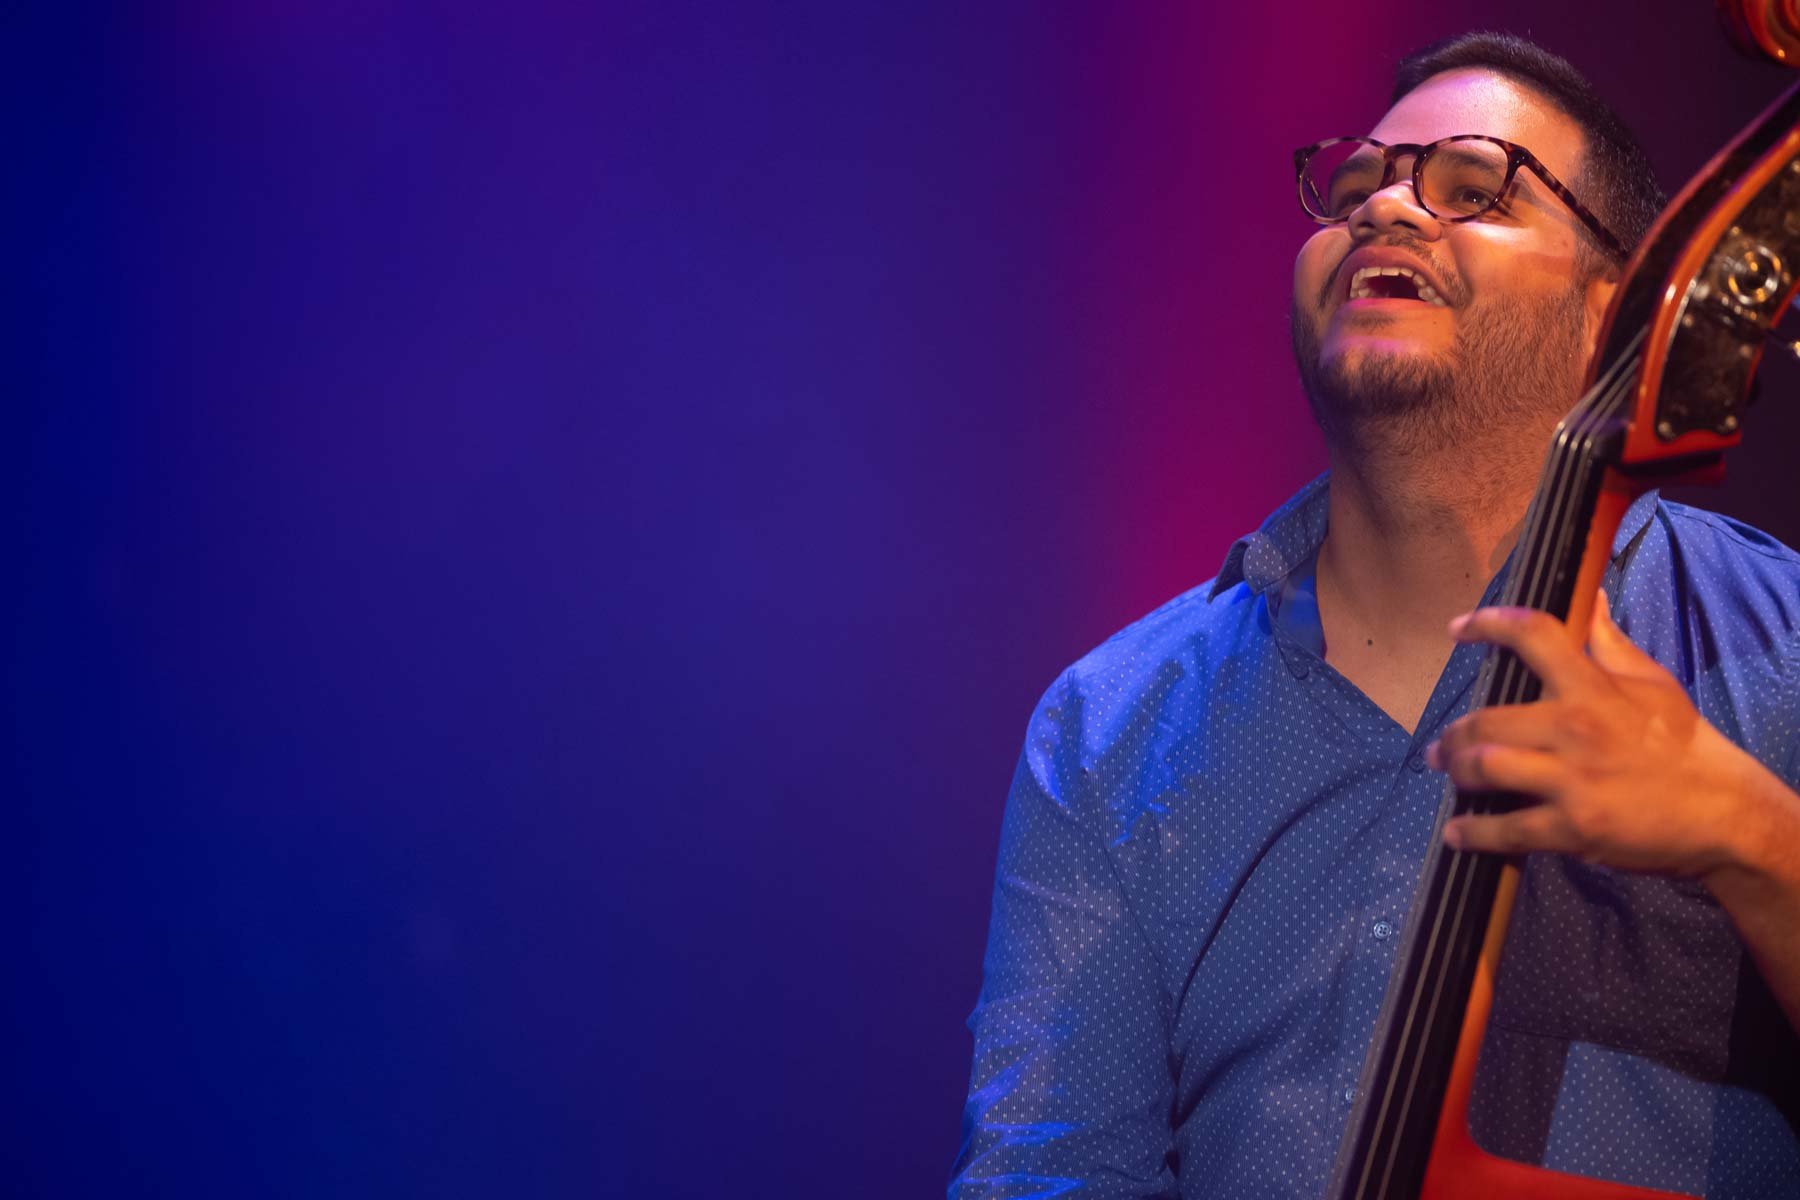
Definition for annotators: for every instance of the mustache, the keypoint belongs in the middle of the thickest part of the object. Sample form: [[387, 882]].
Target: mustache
[[1453, 288]]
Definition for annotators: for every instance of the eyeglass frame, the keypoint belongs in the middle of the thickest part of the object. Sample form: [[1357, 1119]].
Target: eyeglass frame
[[1516, 156]]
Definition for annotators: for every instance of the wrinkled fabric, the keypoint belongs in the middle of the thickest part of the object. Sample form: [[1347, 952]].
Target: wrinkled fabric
[[1208, 855]]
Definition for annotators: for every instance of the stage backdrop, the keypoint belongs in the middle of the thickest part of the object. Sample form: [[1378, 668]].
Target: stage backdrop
[[537, 531]]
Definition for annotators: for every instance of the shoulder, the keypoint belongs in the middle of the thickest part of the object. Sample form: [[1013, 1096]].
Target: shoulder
[[1094, 738], [1728, 535], [1718, 563], [1722, 611], [1158, 661], [1717, 602]]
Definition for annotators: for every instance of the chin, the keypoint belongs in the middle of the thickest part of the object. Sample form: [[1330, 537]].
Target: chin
[[1368, 373], [1360, 382], [1376, 358]]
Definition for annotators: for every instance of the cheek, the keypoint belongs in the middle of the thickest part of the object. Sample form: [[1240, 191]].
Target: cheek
[[1512, 262], [1312, 266]]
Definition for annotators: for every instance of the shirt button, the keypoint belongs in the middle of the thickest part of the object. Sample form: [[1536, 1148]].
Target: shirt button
[[1348, 1095], [1382, 931], [1416, 763]]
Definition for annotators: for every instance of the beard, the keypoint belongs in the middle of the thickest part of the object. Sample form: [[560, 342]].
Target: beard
[[1515, 363]]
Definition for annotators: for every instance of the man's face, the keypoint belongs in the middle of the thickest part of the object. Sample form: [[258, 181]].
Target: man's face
[[1511, 338]]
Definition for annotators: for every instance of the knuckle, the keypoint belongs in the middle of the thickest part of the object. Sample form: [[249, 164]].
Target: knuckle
[[1496, 835], [1581, 722], [1515, 840], [1463, 732], [1583, 829], [1498, 622], [1527, 623]]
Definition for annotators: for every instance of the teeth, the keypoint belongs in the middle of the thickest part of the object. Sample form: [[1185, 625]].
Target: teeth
[[1359, 284]]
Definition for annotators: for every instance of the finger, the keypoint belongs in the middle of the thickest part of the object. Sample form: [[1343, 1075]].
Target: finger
[[1524, 832], [1536, 726], [1490, 768], [1539, 639], [1614, 651]]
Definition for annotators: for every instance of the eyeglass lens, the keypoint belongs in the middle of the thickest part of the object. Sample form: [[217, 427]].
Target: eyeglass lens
[[1460, 179]]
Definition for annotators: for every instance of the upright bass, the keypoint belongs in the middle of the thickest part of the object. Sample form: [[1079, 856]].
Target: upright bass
[[1664, 400]]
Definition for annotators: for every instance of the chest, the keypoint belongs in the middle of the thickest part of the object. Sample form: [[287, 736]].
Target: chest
[[1397, 672], [1399, 684]]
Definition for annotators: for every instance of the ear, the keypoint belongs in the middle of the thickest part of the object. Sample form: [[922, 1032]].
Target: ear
[[1597, 294]]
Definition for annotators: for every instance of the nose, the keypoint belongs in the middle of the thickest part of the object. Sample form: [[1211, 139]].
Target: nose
[[1393, 207]]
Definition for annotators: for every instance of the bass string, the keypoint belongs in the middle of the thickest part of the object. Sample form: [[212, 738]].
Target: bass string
[[1399, 1087], [1569, 476], [1448, 929], [1446, 921], [1571, 470]]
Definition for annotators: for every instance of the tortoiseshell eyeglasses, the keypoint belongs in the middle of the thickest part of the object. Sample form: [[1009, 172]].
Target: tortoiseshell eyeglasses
[[1454, 178]]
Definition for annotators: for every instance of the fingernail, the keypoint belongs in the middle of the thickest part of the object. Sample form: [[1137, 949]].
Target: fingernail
[[1458, 623]]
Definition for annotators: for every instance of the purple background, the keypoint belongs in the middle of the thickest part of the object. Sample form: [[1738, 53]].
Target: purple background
[[538, 535]]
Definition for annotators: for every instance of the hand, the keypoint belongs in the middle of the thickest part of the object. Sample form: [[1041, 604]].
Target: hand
[[1628, 773]]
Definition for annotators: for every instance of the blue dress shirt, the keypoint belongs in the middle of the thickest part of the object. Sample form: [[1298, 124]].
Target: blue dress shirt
[[1210, 848]]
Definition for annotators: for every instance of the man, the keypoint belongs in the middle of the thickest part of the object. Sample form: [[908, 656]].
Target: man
[[1218, 819]]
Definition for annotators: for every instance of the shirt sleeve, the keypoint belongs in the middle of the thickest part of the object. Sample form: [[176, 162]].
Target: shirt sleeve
[[1072, 1090]]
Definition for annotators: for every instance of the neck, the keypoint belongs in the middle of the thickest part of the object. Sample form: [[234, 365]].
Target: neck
[[1415, 535]]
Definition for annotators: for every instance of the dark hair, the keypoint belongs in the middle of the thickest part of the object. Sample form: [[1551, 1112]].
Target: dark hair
[[1615, 171]]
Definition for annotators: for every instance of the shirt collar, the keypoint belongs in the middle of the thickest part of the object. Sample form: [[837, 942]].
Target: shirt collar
[[1291, 537]]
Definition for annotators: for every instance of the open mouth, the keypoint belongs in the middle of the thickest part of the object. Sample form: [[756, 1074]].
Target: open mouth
[[1393, 283]]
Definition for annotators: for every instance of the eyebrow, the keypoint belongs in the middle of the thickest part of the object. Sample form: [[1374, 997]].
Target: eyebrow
[[1457, 154], [1366, 159]]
